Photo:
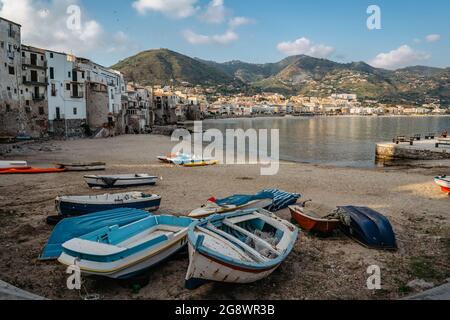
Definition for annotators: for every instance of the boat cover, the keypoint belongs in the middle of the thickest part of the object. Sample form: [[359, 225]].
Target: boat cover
[[368, 227], [71, 228], [282, 199], [241, 199]]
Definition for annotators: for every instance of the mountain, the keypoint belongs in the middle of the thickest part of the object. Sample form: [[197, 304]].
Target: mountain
[[160, 67], [293, 75]]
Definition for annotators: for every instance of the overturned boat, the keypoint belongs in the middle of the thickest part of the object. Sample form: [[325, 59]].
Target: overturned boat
[[30, 170], [311, 221], [238, 247], [368, 227], [80, 205], [233, 203], [120, 181], [123, 252], [89, 166], [444, 183]]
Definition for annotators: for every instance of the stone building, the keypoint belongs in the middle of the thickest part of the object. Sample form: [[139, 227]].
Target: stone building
[[139, 115], [12, 112], [34, 90], [165, 104], [105, 88]]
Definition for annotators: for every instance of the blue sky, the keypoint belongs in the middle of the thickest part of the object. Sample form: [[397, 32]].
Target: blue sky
[[413, 32]]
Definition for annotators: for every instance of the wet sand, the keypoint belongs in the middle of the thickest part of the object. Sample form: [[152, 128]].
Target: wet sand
[[333, 268]]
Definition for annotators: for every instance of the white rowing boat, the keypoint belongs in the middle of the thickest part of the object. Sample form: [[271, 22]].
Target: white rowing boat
[[120, 181]]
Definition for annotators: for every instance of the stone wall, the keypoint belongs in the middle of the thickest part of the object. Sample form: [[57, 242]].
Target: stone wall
[[97, 105], [393, 152]]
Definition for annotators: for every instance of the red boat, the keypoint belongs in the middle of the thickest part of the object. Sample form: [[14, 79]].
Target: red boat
[[31, 170], [444, 183], [312, 222]]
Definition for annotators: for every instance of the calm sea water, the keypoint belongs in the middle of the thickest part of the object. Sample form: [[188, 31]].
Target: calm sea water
[[339, 141]]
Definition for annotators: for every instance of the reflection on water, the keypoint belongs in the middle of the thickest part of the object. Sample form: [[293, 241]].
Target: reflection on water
[[340, 141]]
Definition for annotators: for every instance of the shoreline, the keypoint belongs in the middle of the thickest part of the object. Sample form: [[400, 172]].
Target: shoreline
[[408, 197]]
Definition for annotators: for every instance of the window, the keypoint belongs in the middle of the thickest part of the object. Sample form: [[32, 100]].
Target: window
[[68, 86], [8, 88], [8, 108], [23, 54], [15, 91], [41, 110], [69, 74], [27, 102], [58, 113], [2, 45], [42, 58], [52, 73], [75, 111], [51, 55], [53, 90], [11, 70]]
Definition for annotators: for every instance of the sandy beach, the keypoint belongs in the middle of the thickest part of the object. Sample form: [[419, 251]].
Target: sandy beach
[[333, 268]]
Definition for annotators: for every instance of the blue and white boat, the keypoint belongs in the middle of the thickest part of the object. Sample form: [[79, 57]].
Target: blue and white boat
[[123, 252], [239, 247], [80, 205]]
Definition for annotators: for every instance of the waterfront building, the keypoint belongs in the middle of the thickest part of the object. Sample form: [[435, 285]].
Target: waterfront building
[[66, 91]]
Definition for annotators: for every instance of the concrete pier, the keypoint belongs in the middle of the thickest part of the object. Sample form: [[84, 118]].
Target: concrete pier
[[420, 150]]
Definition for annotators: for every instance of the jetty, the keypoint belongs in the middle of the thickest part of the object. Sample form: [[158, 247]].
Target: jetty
[[416, 150]]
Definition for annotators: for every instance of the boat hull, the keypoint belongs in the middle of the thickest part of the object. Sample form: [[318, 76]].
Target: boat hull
[[203, 267], [32, 171], [94, 182], [204, 212], [131, 266], [67, 208], [307, 223], [13, 165], [100, 166], [444, 183]]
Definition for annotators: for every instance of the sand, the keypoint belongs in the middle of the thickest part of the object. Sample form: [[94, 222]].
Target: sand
[[333, 268]]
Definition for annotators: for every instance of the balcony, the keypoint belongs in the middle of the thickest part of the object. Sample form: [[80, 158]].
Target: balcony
[[39, 97], [77, 95], [39, 64], [39, 81], [12, 34]]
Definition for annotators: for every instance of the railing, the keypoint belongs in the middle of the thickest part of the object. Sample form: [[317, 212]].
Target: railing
[[38, 81], [38, 97], [38, 63], [79, 95], [10, 54]]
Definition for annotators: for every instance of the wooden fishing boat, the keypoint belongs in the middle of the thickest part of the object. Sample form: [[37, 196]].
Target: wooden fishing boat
[[444, 183], [13, 164], [233, 203], [31, 170], [123, 252], [238, 247], [310, 221], [120, 181], [89, 166], [80, 205]]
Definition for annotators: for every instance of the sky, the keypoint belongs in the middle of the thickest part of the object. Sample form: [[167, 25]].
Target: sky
[[410, 32]]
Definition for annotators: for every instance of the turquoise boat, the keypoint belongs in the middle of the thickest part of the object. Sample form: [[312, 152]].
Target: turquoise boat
[[124, 252]]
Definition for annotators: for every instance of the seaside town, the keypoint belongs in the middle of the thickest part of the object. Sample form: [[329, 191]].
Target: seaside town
[[47, 93], [121, 215]]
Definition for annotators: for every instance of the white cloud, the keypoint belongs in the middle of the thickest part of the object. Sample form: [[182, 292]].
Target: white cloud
[[305, 46], [223, 39], [401, 57], [239, 21], [433, 37], [177, 9], [44, 24], [215, 12]]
